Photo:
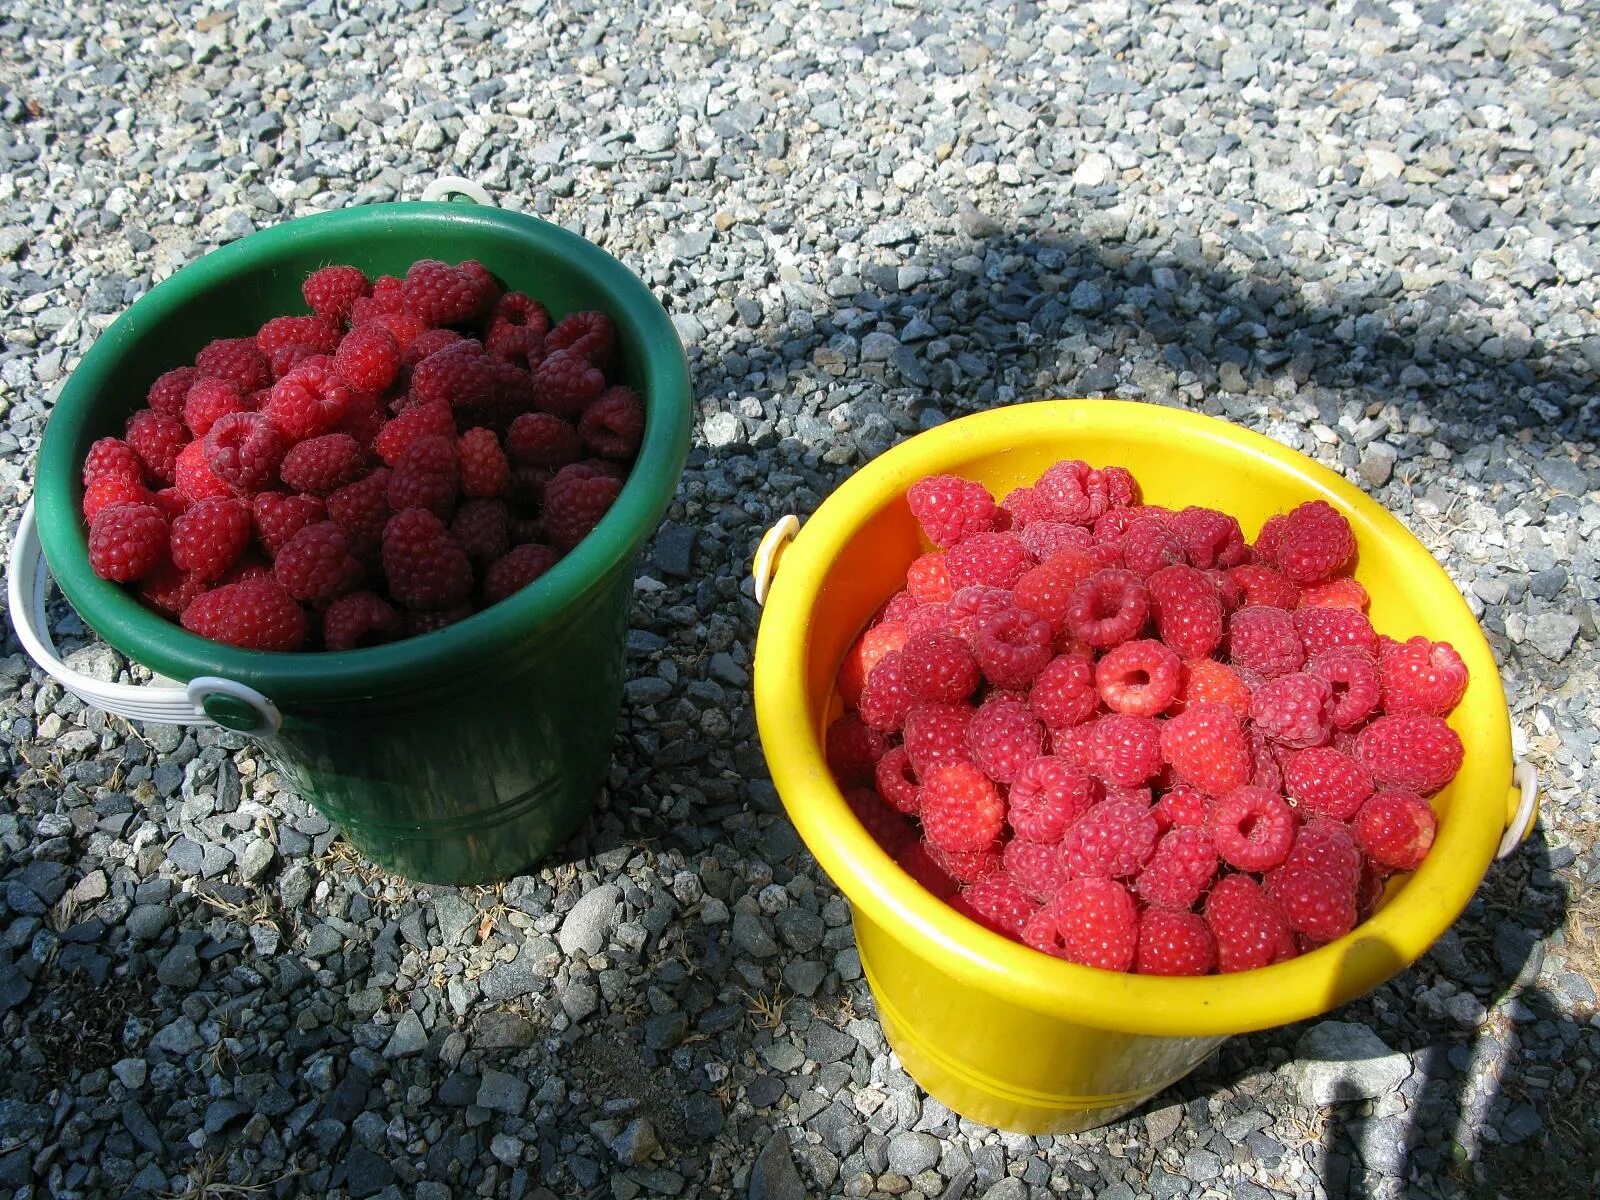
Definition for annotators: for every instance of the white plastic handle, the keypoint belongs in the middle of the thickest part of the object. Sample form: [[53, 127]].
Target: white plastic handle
[[27, 585], [1527, 780], [769, 551], [457, 185]]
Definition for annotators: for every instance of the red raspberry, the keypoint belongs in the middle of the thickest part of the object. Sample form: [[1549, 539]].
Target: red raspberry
[[210, 536], [157, 440], [1319, 904], [1354, 676], [460, 376], [1325, 628], [427, 570], [286, 358], [112, 458], [484, 470], [431, 418], [1187, 613], [1047, 588], [482, 528], [369, 358], [278, 517], [113, 489], [1415, 752], [426, 476], [1328, 845], [895, 835], [1270, 538], [969, 605], [316, 563], [987, 560], [929, 618], [1336, 593], [236, 360], [168, 590], [319, 334], [332, 292], [1074, 743], [417, 623], [193, 475], [969, 866], [542, 440], [171, 502], [364, 418], [1003, 737], [928, 579], [864, 654], [1125, 750], [1250, 929], [1174, 943], [590, 334], [916, 859], [426, 344], [896, 781], [1265, 641], [518, 311], [1183, 806], [1264, 587], [245, 451], [1207, 681], [1228, 591], [359, 619], [1207, 747], [1011, 647], [208, 400], [488, 289], [127, 541], [1113, 524], [884, 700], [997, 903], [1074, 492], [1317, 543], [1321, 780], [1045, 539], [1252, 828], [1419, 676], [1181, 868], [1024, 508], [405, 329], [1122, 490], [575, 501], [936, 735], [1148, 545], [170, 390], [1047, 796], [938, 667], [1396, 829], [566, 383], [1294, 710], [961, 811], [951, 509], [1036, 867], [1114, 839], [516, 570], [1108, 608], [512, 344], [1064, 693], [309, 401], [613, 426], [1210, 538], [1139, 677], [440, 294], [387, 291], [255, 614], [321, 465], [363, 509], [1089, 921], [1265, 771]]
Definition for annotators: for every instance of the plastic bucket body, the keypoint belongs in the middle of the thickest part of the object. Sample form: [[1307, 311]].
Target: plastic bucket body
[[999, 1032], [468, 753]]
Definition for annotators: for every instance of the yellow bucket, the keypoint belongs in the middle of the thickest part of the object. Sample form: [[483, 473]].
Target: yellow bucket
[[1001, 1033]]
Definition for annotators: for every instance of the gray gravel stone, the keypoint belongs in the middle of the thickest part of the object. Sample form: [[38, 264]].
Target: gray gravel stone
[[773, 1176], [1337, 1061], [502, 1092], [591, 920]]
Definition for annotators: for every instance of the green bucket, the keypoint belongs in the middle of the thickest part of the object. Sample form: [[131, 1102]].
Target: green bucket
[[460, 756]]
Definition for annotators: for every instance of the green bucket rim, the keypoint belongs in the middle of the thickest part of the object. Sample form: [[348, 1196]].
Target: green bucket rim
[[320, 676]]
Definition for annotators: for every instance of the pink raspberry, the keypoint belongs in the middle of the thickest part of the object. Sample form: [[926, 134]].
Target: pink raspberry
[[1182, 805], [1252, 828], [969, 605], [897, 782], [309, 401], [1210, 538], [951, 509], [1046, 539], [997, 903], [969, 866], [210, 536], [1414, 752], [1139, 677], [1047, 589], [885, 702], [1316, 543], [127, 541], [1011, 647], [1265, 771], [426, 568], [1036, 867], [1003, 737], [1114, 839], [1250, 929], [961, 810], [936, 735], [1207, 747], [1321, 780], [1324, 628], [1294, 710], [1064, 693], [1328, 845], [938, 667], [1148, 545], [987, 560], [1181, 868], [1108, 608], [1074, 492], [1047, 796], [359, 619], [1264, 587], [1396, 829], [1355, 678], [254, 614], [1319, 904], [1419, 676], [1090, 921], [1187, 613], [1265, 640], [1024, 508], [1125, 749], [1174, 943], [575, 501]]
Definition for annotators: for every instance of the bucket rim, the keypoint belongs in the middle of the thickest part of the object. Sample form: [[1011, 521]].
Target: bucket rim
[[315, 676], [1307, 986]]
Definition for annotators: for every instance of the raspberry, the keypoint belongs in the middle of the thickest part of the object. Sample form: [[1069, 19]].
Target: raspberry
[[460, 376], [1188, 615], [170, 390], [319, 334], [209, 400], [286, 358], [1327, 845], [482, 528], [1125, 750], [928, 579], [1003, 737], [960, 808], [613, 426], [1074, 743], [1112, 525], [1047, 796], [938, 667], [566, 383], [853, 750], [483, 280], [236, 360], [440, 294], [1036, 867], [575, 501], [359, 619], [168, 590], [1108, 608], [416, 623], [1250, 929], [1229, 592], [483, 466], [1321, 780], [864, 654], [1207, 747], [936, 735], [112, 458], [1182, 866], [971, 604], [1270, 538], [1326, 628], [518, 311], [1148, 545], [997, 903], [1354, 676], [896, 781], [1419, 676], [1064, 693], [1047, 588], [316, 563], [278, 517], [426, 344], [321, 465], [1045, 539], [386, 293], [1210, 538], [426, 476], [332, 291], [1396, 829], [1174, 943], [1122, 490], [1252, 828], [1317, 543], [363, 509], [1207, 681], [1182, 806], [431, 418], [1317, 903], [210, 536], [589, 334], [516, 570], [542, 440], [1294, 710], [369, 358], [1011, 647], [1138, 677], [404, 328], [1336, 593], [1089, 921], [1073, 492], [987, 560], [884, 699], [245, 451], [1265, 641], [1114, 839], [969, 866], [1264, 587], [1024, 507], [427, 570], [309, 401], [1413, 751], [156, 440], [915, 858], [255, 614], [1265, 772], [127, 541], [951, 509], [108, 490], [193, 476]]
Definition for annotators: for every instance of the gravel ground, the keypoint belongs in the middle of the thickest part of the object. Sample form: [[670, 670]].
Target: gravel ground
[[1367, 230]]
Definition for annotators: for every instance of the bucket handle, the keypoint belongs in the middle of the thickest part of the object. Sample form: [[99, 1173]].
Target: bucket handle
[[205, 700], [446, 186], [1522, 815], [773, 544]]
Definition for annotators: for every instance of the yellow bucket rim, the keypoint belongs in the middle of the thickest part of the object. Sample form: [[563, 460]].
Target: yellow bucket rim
[[1393, 938]]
